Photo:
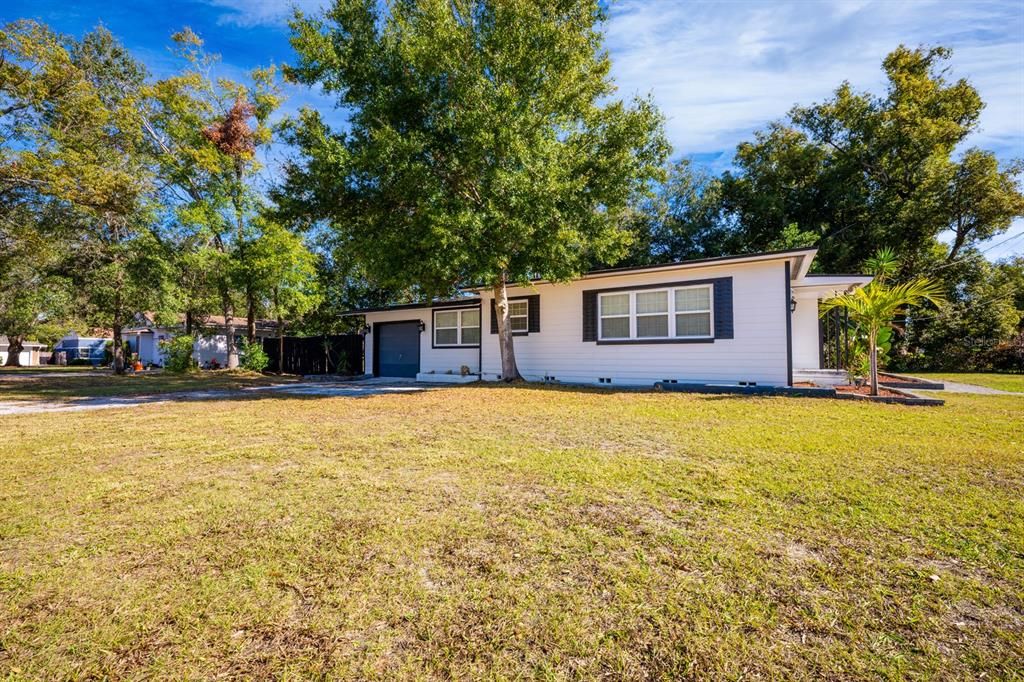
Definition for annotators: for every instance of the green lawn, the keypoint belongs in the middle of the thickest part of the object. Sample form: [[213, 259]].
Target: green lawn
[[47, 369], [1004, 382], [63, 385], [510, 533]]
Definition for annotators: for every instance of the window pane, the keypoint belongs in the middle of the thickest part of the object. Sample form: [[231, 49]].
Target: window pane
[[615, 328], [447, 337], [693, 299], [615, 304], [446, 319], [470, 318], [517, 307], [693, 324], [471, 335], [652, 325], [520, 324], [651, 302]]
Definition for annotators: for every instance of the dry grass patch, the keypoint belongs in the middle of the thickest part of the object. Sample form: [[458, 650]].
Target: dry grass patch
[[487, 532], [70, 385]]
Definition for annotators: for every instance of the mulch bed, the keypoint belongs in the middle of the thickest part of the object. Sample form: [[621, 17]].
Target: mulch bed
[[866, 390], [903, 381]]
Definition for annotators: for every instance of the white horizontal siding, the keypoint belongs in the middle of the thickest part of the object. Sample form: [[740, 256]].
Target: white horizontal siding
[[756, 354], [437, 360], [25, 358], [806, 342]]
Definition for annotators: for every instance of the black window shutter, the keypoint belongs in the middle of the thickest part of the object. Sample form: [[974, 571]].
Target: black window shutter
[[723, 308], [532, 314], [590, 316]]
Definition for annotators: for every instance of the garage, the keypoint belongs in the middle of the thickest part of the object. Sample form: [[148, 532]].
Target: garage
[[397, 351]]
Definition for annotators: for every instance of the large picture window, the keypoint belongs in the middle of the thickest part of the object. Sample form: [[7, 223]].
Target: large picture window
[[456, 328], [675, 313]]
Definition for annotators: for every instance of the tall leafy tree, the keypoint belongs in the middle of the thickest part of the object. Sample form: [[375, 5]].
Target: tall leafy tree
[[284, 272], [118, 257], [37, 76], [682, 219], [485, 145], [984, 310], [206, 134], [866, 171], [35, 299], [76, 112]]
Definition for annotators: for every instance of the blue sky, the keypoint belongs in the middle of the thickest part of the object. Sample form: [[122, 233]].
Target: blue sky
[[718, 70]]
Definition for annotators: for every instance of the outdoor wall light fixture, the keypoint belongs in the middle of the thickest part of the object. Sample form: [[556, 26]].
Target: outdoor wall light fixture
[[792, 305], [423, 326]]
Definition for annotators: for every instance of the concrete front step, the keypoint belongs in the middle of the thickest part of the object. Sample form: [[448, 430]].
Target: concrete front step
[[821, 377]]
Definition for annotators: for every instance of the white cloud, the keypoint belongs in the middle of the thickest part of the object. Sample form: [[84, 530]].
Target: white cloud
[[249, 13], [720, 70]]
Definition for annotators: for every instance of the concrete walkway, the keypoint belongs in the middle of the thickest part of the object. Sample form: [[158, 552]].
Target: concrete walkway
[[355, 389], [957, 387]]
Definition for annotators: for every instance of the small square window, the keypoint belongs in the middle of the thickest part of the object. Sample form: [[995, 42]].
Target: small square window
[[519, 315]]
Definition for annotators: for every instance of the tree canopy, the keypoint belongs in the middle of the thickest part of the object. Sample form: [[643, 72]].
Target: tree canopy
[[484, 142]]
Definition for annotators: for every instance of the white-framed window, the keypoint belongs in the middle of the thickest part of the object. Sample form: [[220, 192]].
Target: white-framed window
[[519, 315], [457, 327], [615, 315], [673, 313], [693, 312]]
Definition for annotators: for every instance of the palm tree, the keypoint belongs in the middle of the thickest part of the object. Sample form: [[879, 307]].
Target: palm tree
[[874, 307]]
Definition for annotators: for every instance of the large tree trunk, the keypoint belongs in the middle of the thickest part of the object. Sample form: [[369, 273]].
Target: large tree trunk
[[250, 306], [15, 345], [280, 345], [229, 331], [118, 349], [509, 371], [188, 323]]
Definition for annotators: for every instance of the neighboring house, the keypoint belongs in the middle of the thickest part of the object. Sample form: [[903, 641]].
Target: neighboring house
[[145, 343], [211, 339], [76, 347], [736, 320], [29, 355]]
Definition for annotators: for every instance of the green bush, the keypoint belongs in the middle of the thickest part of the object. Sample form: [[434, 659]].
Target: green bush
[[179, 353], [80, 362], [254, 358]]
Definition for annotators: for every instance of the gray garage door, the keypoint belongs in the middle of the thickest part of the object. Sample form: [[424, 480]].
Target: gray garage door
[[398, 348]]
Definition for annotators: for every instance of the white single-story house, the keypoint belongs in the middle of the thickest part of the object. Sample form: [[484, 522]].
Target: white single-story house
[[29, 355], [741, 320], [211, 341]]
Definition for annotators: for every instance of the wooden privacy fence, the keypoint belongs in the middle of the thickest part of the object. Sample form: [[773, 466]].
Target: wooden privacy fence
[[340, 354]]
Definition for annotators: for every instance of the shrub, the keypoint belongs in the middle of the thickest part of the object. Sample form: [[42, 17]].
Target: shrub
[[254, 358], [179, 353], [1008, 356], [80, 362]]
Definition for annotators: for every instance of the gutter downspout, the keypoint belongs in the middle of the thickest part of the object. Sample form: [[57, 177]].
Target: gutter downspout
[[789, 329]]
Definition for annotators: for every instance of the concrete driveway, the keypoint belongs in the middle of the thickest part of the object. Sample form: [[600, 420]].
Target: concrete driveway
[[325, 389]]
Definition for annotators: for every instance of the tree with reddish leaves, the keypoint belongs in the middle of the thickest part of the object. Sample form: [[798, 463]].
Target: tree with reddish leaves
[[206, 132]]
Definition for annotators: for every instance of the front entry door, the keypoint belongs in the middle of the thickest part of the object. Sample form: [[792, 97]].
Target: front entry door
[[398, 348]]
